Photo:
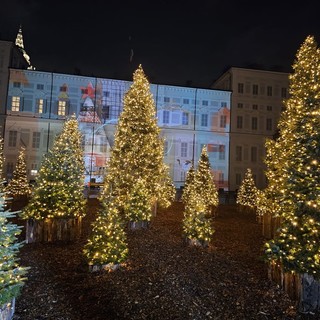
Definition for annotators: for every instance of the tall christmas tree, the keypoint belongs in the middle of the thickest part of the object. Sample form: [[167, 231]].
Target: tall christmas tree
[[248, 192], [138, 148], [297, 174], [107, 245], [58, 191], [12, 275], [19, 185]]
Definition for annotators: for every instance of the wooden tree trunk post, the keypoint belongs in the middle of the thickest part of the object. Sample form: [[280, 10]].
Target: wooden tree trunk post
[[7, 310], [52, 230], [137, 225], [300, 287], [197, 243], [104, 267]]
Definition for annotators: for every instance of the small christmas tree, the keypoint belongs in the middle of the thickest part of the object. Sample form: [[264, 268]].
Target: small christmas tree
[[107, 245], [189, 184], [12, 276], [165, 190], [247, 193], [200, 197], [204, 181], [19, 186], [197, 221], [58, 191], [138, 206]]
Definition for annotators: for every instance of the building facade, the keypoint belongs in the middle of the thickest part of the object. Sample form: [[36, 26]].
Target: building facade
[[233, 118], [256, 104], [39, 102]]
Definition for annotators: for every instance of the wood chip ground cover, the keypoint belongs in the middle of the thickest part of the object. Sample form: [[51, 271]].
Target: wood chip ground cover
[[163, 278]]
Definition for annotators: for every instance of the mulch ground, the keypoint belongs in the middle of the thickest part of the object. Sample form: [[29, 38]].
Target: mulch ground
[[163, 278]]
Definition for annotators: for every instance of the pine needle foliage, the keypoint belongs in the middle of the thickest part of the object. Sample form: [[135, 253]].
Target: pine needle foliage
[[12, 275]]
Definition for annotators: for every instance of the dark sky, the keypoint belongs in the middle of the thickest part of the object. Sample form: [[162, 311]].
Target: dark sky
[[177, 42]]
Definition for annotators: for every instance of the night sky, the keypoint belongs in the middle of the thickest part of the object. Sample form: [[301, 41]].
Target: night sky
[[176, 42]]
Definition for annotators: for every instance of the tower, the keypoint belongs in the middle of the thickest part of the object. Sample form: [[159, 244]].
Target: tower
[[19, 44]]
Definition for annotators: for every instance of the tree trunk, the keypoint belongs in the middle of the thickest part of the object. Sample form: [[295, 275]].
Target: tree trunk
[[53, 230], [7, 310]]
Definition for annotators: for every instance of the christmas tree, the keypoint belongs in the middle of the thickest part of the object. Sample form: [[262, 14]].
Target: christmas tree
[[138, 149], [138, 206], [107, 246], [200, 196], [197, 221], [248, 192], [12, 275], [188, 185], [204, 181], [58, 191], [19, 185], [297, 171]]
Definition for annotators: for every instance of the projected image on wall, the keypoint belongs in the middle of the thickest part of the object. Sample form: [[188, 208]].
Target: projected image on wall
[[189, 118]]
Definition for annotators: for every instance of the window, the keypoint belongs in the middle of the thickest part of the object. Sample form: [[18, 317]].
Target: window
[[255, 89], [254, 123], [9, 168], [239, 122], [204, 120], [283, 92], [240, 87], [166, 116], [223, 104], [223, 121], [39, 106], [205, 103], [222, 152], [106, 94], [40, 86], [269, 124], [62, 108], [254, 152], [254, 107], [269, 108], [166, 99], [269, 91], [36, 140], [240, 105], [184, 149], [221, 177], [238, 153], [16, 84], [185, 118], [34, 169], [15, 104], [13, 138], [64, 88], [185, 101], [238, 179]]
